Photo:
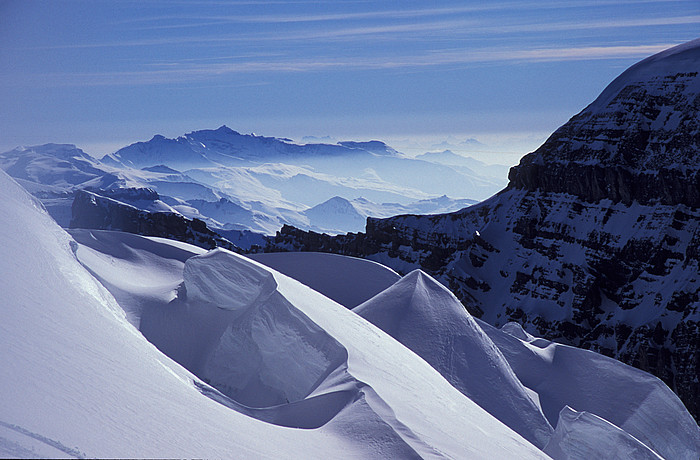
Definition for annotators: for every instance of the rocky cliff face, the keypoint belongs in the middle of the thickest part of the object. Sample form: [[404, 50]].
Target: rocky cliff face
[[596, 240], [94, 211]]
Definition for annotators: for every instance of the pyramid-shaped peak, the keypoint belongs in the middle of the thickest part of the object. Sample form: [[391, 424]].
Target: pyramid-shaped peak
[[416, 295], [427, 318], [225, 129]]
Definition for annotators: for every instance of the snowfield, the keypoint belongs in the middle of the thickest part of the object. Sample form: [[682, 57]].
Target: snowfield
[[79, 380], [119, 345], [360, 280]]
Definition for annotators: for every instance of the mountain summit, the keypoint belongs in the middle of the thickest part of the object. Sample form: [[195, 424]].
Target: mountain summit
[[224, 146], [638, 140]]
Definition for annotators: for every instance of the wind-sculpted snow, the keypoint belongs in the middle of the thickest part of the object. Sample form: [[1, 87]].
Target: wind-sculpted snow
[[361, 279], [269, 353], [633, 400], [286, 355], [583, 436], [137, 270], [79, 381], [427, 318], [211, 278]]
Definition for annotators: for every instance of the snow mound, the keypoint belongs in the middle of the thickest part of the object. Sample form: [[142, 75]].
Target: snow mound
[[428, 319], [583, 436], [633, 400], [347, 280], [270, 353], [215, 277], [137, 270]]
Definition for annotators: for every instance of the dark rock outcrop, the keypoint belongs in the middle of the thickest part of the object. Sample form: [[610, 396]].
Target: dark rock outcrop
[[94, 211]]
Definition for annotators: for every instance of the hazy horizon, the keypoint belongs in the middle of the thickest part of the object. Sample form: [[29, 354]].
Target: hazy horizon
[[103, 74]]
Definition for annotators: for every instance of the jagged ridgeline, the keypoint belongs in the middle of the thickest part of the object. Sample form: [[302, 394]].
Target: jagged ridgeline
[[594, 242]]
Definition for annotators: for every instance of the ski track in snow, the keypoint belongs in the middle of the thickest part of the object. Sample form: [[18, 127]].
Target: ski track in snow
[[19, 449]]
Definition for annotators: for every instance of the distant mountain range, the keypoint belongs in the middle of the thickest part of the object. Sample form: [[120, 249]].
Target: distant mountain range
[[246, 183]]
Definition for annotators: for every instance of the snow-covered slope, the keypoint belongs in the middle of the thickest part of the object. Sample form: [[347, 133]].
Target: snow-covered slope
[[281, 353], [427, 318], [633, 400], [516, 377], [347, 280], [79, 381]]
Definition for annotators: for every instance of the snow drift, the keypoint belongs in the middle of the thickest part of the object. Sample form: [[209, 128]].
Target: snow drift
[[633, 400], [427, 318], [283, 356], [347, 280]]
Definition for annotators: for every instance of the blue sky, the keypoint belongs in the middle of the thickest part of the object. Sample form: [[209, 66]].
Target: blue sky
[[102, 74]]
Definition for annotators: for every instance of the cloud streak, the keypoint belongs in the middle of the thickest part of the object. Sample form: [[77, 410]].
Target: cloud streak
[[171, 73], [453, 28], [386, 14]]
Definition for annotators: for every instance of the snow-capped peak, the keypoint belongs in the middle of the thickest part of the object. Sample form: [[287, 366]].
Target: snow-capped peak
[[427, 318]]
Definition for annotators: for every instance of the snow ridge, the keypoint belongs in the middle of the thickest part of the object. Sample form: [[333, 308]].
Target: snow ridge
[[424, 316]]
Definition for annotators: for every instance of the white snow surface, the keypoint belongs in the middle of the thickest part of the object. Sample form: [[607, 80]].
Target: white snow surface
[[633, 400], [138, 270], [79, 380], [210, 278], [427, 318], [361, 279], [583, 436]]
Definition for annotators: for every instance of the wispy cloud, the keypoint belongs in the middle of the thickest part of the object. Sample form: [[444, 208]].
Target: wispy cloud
[[193, 20], [174, 72], [454, 28]]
